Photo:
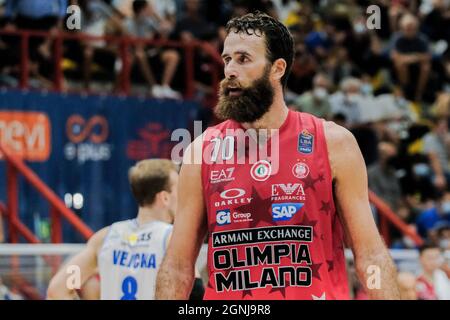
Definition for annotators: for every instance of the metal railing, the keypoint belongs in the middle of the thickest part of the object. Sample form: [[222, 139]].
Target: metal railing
[[387, 216], [125, 43], [58, 210]]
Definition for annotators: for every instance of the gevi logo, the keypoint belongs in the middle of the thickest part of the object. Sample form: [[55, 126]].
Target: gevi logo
[[26, 134]]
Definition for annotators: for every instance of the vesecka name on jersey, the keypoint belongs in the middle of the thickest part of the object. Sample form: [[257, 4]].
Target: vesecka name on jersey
[[134, 260]]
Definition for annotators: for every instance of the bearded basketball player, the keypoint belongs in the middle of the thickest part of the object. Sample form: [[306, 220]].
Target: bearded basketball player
[[275, 226]]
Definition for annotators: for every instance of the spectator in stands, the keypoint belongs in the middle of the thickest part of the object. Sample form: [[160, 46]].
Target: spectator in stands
[[443, 234], [433, 283], [436, 23], [407, 283], [396, 110], [320, 42], [440, 212], [404, 241], [96, 17], [316, 101], [340, 65], [411, 57], [397, 9], [436, 146], [304, 68], [192, 26], [146, 24], [347, 100], [43, 15], [284, 9], [382, 178], [165, 13], [9, 60], [441, 106]]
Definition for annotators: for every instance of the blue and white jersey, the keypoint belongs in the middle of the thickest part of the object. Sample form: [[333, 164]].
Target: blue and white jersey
[[129, 259]]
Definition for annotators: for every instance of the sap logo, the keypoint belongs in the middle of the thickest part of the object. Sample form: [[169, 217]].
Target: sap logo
[[223, 175], [285, 211], [223, 217]]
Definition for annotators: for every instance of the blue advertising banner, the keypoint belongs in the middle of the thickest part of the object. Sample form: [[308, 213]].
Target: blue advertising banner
[[82, 147]]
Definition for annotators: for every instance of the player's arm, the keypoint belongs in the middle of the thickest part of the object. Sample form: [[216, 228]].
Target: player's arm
[[2, 235], [198, 288], [86, 261], [372, 259], [176, 274]]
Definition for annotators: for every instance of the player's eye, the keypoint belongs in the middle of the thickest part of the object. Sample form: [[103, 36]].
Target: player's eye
[[243, 59]]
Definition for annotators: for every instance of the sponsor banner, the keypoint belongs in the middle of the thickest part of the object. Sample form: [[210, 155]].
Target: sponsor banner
[[26, 134], [85, 146]]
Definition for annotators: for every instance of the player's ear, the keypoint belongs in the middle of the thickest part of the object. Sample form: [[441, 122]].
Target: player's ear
[[278, 69], [164, 196]]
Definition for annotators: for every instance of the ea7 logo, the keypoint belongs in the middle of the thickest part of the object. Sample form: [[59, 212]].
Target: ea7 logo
[[285, 211], [288, 189], [222, 175]]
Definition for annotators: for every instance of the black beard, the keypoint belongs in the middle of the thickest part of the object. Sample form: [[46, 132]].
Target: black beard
[[252, 103]]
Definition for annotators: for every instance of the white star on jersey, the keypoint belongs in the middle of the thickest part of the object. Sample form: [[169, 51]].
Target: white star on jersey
[[322, 297]]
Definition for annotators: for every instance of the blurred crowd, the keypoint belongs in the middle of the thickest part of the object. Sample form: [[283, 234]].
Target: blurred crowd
[[389, 85]]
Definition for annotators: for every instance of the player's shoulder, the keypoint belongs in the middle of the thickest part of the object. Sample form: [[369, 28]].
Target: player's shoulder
[[342, 147], [338, 136], [98, 238], [192, 155], [114, 227]]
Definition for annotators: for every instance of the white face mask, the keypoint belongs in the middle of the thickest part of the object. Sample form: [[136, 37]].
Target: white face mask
[[421, 169], [320, 93], [366, 89], [408, 242], [359, 28], [444, 244], [352, 98], [445, 206], [401, 102]]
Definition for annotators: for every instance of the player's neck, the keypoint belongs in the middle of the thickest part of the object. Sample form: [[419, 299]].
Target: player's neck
[[147, 214], [428, 275], [273, 119]]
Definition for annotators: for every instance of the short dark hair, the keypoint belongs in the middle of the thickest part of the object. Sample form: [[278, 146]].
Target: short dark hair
[[427, 246], [149, 177], [279, 41], [138, 6]]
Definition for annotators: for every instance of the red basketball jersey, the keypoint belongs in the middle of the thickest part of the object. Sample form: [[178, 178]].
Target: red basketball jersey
[[273, 228]]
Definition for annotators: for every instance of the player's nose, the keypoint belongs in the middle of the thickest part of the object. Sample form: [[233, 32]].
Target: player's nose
[[231, 70]]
